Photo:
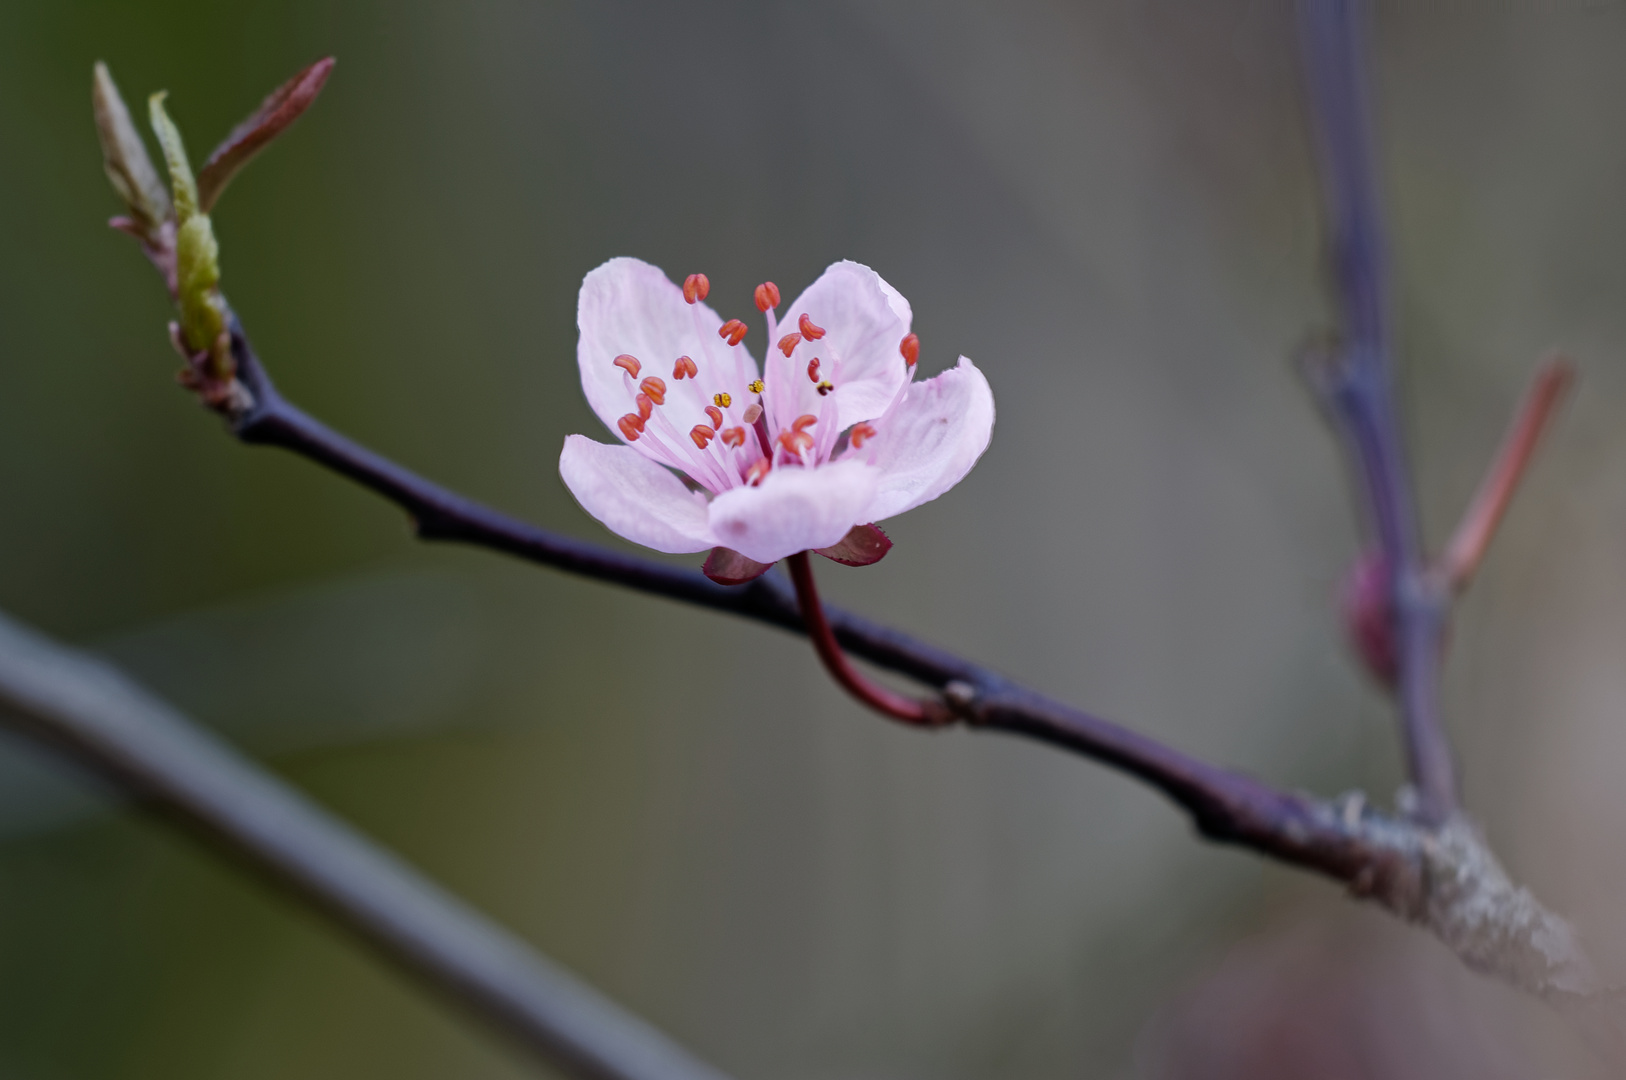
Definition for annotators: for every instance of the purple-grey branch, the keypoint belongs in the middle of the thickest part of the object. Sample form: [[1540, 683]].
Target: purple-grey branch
[[1358, 385]]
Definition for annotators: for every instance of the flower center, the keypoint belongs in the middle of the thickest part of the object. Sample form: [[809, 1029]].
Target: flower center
[[750, 426]]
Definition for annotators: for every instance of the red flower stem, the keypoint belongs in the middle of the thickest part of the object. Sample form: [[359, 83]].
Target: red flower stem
[[907, 710], [1473, 536]]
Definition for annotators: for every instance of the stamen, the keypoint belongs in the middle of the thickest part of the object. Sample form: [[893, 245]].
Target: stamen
[[824, 387], [795, 442], [645, 406], [756, 386], [732, 331], [788, 343], [629, 363], [759, 468], [752, 411], [631, 425], [809, 330], [910, 348], [734, 436], [696, 287], [715, 415], [813, 370], [767, 296], [723, 400], [701, 434], [803, 422], [655, 387], [685, 366], [861, 432]]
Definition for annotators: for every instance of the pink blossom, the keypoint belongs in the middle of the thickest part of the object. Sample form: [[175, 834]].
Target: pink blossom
[[714, 453]]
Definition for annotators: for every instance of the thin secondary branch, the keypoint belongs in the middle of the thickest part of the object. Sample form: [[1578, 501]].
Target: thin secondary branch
[[1359, 385], [1473, 536], [96, 716], [899, 707]]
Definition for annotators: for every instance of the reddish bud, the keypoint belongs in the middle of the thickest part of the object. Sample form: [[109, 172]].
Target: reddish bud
[[732, 331], [910, 348], [1369, 616], [629, 363], [734, 436], [809, 331], [684, 366], [715, 415], [861, 432], [655, 387], [285, 105], [631, 426], [767, 296], [788, 343], [696, 287]]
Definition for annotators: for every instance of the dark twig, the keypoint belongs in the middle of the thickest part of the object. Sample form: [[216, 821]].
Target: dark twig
[[1358, 386], [1373, 855], [89, 710]]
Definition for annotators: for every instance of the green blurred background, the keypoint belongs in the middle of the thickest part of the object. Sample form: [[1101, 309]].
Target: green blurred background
[[1110, 207]]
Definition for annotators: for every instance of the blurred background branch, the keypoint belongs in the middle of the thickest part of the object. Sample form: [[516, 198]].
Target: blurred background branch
[[102, 721]]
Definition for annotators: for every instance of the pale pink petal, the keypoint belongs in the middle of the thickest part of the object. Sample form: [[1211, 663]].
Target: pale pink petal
[[865, 319], [794, 509], [633, 497], [628, 306], [928, 444]]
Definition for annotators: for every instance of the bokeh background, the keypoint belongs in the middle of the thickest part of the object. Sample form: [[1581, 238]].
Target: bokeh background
[[1111, 207]]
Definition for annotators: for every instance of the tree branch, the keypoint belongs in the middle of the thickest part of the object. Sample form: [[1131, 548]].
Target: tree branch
[[88, 710], [1358, 387]]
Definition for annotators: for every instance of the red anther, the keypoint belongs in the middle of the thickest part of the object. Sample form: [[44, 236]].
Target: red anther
[[645, 406], [684, 366], [696, 287], [861, 432], [734, 436], [795, 442], [733, 331], [788, 343], [759, 468], [910, 348], [809, 331], [631, 426], [630, 363], [825, 387], [803, 422], [813, 370], [715, 415], [655, 387], [701, 434], [767, 296]]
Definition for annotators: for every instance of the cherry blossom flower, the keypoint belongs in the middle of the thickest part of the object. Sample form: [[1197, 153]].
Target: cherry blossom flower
[[831, 435]]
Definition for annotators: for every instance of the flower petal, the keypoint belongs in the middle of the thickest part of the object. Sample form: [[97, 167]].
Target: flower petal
[[634, 497], [864, 319], [628, 306], [928, 444], [794, 509]]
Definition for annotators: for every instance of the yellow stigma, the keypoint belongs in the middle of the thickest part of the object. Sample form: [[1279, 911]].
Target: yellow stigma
[[722, 401], [756, 386]]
